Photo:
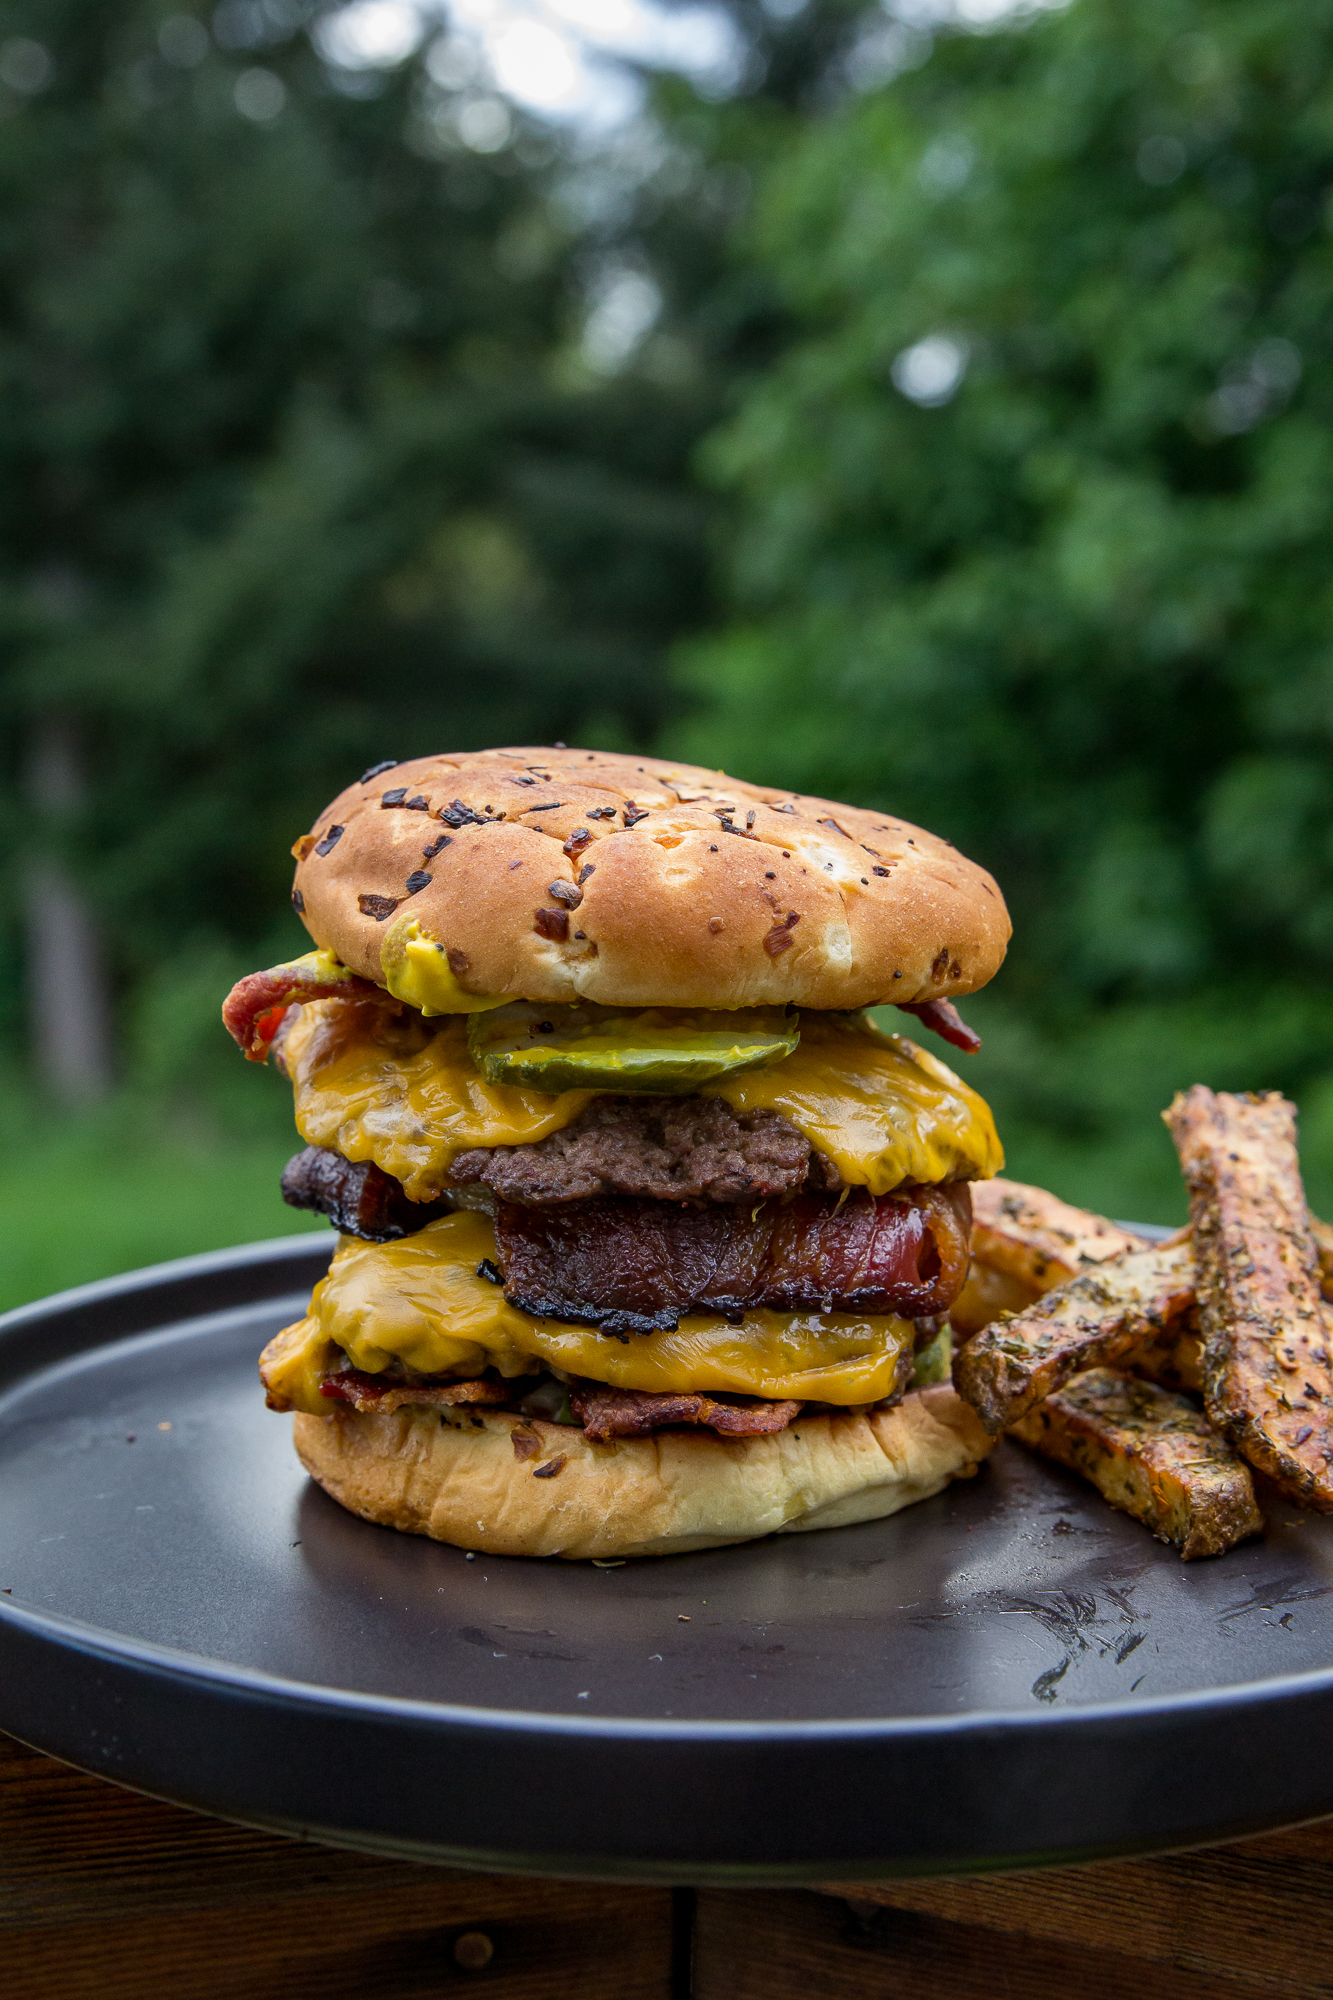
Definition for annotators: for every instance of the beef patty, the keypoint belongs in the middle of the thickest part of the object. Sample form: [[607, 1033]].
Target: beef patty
[[635, 1266], [655, 1149]]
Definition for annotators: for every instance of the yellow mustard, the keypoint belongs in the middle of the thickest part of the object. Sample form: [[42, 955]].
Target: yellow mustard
[[408, 1096], [421, 1301], [417, 969]]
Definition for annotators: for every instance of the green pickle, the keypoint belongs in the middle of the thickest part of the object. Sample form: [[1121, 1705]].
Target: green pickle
[[587, 1047]]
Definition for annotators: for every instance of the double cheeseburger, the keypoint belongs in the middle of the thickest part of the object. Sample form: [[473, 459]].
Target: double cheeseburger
[[647, 1232]]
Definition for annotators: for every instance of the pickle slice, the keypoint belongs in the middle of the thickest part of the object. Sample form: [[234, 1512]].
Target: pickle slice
[[586, 1047]]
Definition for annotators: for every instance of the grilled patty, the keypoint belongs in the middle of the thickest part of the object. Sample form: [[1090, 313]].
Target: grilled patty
[[654, 1149]]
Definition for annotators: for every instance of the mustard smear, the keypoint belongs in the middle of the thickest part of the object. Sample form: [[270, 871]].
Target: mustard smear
[[416, 969]]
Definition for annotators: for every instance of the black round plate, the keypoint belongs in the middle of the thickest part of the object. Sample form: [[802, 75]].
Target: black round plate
[[1009, 1674]]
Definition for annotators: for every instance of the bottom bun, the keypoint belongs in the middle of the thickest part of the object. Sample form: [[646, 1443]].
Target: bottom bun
[[456, 1476]]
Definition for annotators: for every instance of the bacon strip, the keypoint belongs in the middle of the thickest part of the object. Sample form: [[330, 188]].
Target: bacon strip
[[359, 1200], [604, 1413], [366, 1392], [627, 1413], [635, 1266], [945, 1019], [253, 1011]]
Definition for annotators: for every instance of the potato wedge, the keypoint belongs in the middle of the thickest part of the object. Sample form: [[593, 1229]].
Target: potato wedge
[[987, 1295], [1172, 1360], [1267, 1377], [1323, 1243], [1035, 1237], [1025, 1242], [1094, 1319], [1152, 1455]]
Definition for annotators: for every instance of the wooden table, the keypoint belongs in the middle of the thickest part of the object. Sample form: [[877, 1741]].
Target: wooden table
[[108, 1896]]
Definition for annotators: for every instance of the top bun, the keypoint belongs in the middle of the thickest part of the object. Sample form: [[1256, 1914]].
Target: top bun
[[578, 875]]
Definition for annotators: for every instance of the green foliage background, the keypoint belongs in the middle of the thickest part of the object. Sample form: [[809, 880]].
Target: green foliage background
[[1078, 616], [302, 464]]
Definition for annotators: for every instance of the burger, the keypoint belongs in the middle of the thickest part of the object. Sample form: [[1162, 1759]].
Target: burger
[[647, 1231]]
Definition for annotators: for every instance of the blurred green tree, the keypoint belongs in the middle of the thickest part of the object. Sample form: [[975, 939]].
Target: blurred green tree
[[299, 465], [324, 436], [1036, 506], [342, 414]]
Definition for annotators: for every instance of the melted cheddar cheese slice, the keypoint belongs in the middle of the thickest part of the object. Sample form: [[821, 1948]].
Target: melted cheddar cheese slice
[[883, 1110], [405, 1093], [421, 1301]]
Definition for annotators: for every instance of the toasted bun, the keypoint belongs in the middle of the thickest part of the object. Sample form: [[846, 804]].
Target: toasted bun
[[795, 901], [461, 1481]]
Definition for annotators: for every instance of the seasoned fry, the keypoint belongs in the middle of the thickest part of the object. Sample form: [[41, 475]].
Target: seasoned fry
[[1018, 1229], [1096, 1318], [1033, 1236], [1323, 1243], [1152, 1455], [1172, 1360], [1267, 1380], [1025, 1242], [988, 1294]]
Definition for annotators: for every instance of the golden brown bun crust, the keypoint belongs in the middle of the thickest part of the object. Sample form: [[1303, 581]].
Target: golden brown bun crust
[[675, 911], [459, 1481]]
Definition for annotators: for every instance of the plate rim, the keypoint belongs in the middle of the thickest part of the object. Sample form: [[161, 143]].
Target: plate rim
[[137, 1712], [258, 1257], [56, 1629]]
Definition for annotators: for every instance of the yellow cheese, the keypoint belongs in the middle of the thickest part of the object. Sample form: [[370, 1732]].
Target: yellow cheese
[[422, 1302], [883, 1110], [294, 1364], [407, 1095]]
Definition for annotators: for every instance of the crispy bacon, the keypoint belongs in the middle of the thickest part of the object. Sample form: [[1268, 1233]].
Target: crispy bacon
[[945, 1019], [367, 1392], [604, 1413], [359, 1200], [253, 1011], [635, 1266], [629, 1413]]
